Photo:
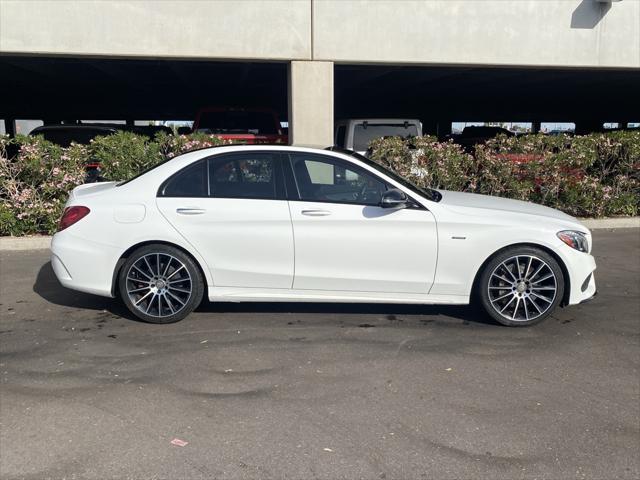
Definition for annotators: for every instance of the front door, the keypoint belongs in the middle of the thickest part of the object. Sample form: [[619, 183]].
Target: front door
[[231, 208], [344, 240]]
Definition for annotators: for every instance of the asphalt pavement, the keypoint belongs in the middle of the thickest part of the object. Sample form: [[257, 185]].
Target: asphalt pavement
[[318, 391]]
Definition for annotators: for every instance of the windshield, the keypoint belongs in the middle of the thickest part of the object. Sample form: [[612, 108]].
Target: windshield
[[238, 121], [364, 133], [429, 193]]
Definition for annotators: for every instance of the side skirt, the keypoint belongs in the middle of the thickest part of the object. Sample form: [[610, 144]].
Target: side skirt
[[235, 294]]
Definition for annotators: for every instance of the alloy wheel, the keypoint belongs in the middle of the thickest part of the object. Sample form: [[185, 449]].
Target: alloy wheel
[[522, 288], [159, 285]]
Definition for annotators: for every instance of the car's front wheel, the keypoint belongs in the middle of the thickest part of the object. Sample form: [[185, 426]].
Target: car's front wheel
[[521, 286], [160, 284]]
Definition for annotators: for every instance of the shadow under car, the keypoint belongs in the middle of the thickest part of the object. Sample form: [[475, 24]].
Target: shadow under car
[[49, 288]]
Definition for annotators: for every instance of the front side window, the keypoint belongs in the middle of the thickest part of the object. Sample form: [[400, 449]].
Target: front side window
[[250, 175], [325, 179]]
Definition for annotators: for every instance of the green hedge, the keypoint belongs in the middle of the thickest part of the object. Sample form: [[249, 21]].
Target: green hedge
[[37, 177], [593, 175]]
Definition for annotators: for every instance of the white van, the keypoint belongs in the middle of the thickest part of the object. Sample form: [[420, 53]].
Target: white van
[[356, 133]]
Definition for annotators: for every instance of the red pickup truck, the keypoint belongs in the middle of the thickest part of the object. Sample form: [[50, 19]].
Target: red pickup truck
[[247, 125]]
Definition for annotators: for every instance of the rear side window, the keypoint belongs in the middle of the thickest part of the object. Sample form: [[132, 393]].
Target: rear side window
[[251, 175], [188, 182]]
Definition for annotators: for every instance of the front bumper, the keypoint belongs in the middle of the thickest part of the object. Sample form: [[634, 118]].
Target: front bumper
[[83, 265], [580, 267], [587, 300]]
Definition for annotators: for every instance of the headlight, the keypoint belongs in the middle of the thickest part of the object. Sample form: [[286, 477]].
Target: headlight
[[576, 240]]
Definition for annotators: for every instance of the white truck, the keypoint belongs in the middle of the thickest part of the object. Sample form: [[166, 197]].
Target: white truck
[[356, 133]]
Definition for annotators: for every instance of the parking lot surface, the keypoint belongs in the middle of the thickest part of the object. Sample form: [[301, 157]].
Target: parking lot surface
[[319, 391]]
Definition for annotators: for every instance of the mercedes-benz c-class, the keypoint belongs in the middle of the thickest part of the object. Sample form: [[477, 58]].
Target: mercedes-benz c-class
[[276, 223]]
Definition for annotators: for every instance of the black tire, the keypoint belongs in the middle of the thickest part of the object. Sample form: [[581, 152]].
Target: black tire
[[167, 278], [520, 286]]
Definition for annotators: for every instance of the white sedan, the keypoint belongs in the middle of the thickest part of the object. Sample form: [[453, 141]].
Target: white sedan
[[275, 223]]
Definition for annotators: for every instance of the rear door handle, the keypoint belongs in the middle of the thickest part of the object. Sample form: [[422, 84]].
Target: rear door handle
[[316, 213], [190, 211]]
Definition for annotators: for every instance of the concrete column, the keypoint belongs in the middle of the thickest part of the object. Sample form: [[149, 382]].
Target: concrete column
[[535, 126], [429, 126], [311, 103], [10, 127], [584, 127], [444, 128]]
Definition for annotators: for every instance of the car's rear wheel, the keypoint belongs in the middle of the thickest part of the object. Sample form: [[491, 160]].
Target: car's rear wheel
[[521, 286], [160, 284]]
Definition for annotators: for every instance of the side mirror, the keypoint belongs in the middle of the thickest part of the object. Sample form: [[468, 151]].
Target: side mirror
[[394, 198]]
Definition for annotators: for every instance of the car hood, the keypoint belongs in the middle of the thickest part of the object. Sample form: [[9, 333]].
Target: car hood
[[459, 201]]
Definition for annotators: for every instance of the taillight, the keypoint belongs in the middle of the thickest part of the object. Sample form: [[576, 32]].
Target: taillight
[[71, 215]]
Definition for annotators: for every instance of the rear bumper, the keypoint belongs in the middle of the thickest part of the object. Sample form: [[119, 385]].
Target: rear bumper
[[83, 265]]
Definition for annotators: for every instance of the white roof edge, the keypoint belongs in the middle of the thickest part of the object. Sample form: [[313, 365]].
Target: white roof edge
[[373, 120], [249, 147]]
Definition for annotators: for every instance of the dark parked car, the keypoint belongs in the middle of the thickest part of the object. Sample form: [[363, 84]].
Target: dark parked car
[[244, 125], [147, 130], [83, 133], [66, 134], [471, 136]]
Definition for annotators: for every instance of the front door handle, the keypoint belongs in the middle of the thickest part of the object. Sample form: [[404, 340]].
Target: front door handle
[[190, 211], [316, 213]]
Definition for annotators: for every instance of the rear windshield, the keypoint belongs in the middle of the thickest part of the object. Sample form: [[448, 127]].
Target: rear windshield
[[363, 134], [257, 123]]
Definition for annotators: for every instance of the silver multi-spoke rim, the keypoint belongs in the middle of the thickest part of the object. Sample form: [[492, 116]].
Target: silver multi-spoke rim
[[159, 285], [522, 288]]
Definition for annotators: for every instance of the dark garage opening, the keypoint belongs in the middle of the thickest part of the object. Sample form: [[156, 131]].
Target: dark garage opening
[[440, 95], [57, 89]]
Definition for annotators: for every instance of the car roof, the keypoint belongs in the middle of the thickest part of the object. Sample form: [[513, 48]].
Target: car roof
[[43, 128], [261, 146], [379, 120]]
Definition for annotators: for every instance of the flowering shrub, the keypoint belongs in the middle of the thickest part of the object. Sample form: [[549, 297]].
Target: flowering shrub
[[35, 183], [124, 154], [592, 175], [171, 146], [426, 162]]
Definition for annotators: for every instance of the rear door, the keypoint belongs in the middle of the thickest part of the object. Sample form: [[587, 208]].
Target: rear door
[[232, 209]]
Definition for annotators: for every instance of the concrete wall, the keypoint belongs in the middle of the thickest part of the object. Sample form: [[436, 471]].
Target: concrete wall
[[493, 32], [272, 29]]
